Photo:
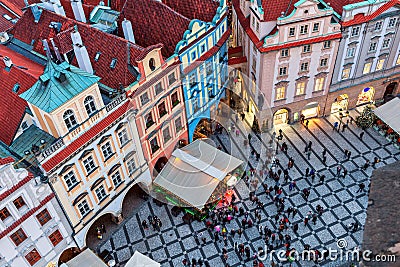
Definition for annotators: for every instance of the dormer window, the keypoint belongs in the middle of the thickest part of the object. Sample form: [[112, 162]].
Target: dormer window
[[89, 105], [69, 119], [16, 88], [97, 56], [113, 63], [152, 64]]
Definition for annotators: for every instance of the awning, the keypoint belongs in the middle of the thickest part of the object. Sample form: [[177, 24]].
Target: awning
[[389, 113], [194, 172], [86, 258], [140, 260]]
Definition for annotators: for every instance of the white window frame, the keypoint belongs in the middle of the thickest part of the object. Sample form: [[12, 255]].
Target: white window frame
[[83, 206], [131, 165], [350, 52], [323, 62], [89, 164], [285, 52], [69, 178], [90, 105], [304, 29], [316, 27], [386, 43], [392, 22], [319, 84], [283, 71], [300, 88], [100, 193], [307, 48], [355, 31], [367, 68], [116, 176], [372, 47], [304, 66], [280, 93], [123, 136], [292, 31], [107, 150]]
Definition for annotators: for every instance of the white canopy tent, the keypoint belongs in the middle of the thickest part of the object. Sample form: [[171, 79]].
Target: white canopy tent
[[85, 258], [389, 113], [194, 172], [140, 260]]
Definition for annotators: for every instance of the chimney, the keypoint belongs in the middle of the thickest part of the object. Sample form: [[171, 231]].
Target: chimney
[[7, 62], [128, 32], [57, 7], [78, 10], [47, 48], [81, 53], [4, 37], [56, 51]]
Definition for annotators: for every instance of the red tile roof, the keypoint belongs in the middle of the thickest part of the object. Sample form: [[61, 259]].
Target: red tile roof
[[4, 161], [12, 11], [360, 18], [154, 22], [108, 45], [15, 5], [12, 107], [237, 60], [235, 50], [84, 138], [26, 216], [204, 10]]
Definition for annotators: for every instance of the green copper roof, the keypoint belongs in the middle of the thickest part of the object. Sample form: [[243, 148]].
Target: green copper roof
[[57, 85]]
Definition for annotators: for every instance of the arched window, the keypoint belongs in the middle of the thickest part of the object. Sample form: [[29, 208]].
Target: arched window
[[69, 119], [152, 64], [89, 105]]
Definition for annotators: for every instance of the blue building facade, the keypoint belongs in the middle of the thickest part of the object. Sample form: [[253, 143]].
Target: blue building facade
[[204, 56]]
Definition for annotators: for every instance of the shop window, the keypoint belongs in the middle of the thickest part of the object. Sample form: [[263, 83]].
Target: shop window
[[18, 237], [33, 257], [43, 217], [367, 68], [55, 238]]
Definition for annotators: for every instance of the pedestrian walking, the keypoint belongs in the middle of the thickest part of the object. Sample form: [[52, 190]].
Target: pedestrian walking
[[344, 172], [307, 171], [302, 118], [103, 229], [312, 177], [309, 145], [361, 135], [324, 159], [308, 153], [322, 178], [307, 121], [361, 188], [324, 152], [306, 220], [343, 127], [314, 219], [366, 165], [338, 170], [335, 125], [348, 155]]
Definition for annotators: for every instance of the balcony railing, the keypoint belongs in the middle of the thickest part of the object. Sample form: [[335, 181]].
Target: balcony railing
[[51, 149]]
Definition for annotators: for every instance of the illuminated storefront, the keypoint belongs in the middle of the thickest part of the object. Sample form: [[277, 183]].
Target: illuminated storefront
[[311, 110], [366, 96], [340, 104], [281, 116]]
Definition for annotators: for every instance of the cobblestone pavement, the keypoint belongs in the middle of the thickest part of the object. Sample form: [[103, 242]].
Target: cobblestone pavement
[[342, 205]]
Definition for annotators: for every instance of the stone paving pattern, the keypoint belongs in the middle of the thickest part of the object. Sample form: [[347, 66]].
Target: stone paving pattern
[[342, 205]]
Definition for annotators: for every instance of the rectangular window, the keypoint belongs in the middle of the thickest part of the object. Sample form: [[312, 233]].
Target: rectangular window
[[131, 165], [378, 26], [380, 63], [116, 178], [158, 88], [43, 217], [392, 22], [282, 71], [253, 21], [285, 52], [174, 99], [100, 193], [306, 48], [304, 66], [70, 180], [315, 27], [386, 43], [323, 62], [144, 98], [171, 78], [257, 26], [303, 29], [18, 237], [162, 111], [327, 44], [319, 84], [166, 135], [107, 151], [123, 137], [355, 31], [83, 208], [209, 68], [350, 52], [292, 31], [33, 257], [367, 68], [192, 80], [280, 93], [372, 47], [89, 164], [300, 88], [154, 145], [19, 202], [346, 73], [193, 55], [4, 214], [149, 120], [178, 124], [203, 48], [55, 237]]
